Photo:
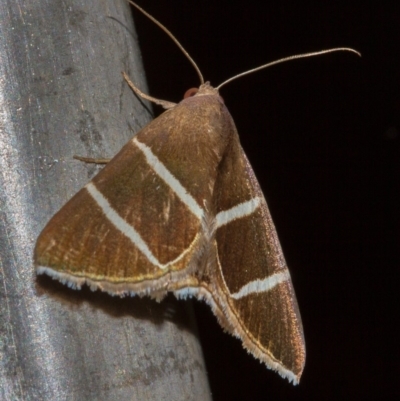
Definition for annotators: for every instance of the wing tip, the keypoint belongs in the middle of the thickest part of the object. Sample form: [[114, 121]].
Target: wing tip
[[202, 294], [292, 375]]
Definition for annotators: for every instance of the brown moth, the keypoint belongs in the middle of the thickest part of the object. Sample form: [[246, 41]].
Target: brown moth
[[180, 210]]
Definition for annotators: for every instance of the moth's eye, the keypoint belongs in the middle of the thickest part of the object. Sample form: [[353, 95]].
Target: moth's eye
[[190, 92]]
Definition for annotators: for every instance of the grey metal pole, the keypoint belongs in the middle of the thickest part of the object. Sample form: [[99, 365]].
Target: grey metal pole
[[62, 93]]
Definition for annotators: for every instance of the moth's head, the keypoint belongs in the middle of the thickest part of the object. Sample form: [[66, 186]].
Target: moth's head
[[204, 90]]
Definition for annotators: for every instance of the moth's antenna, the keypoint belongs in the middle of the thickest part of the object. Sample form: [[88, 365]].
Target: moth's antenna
[[172, 37], [282, 60]]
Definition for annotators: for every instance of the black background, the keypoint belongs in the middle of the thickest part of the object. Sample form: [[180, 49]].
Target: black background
[[322, 135]]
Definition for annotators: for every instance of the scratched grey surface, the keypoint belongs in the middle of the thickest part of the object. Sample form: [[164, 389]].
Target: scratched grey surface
[[61, 93]]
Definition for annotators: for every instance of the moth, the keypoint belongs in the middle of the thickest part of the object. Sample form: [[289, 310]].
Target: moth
[[180, 210]]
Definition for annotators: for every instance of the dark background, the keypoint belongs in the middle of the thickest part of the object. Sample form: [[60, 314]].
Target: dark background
[[322, 135]]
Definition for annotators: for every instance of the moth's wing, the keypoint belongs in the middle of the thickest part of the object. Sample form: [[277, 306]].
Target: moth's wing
[[252, 275], [137, 224]]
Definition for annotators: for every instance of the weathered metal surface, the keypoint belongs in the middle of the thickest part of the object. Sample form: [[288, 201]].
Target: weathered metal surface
[[62, 93]]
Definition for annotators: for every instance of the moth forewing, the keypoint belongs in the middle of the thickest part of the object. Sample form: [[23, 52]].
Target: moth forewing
[[254, 275]]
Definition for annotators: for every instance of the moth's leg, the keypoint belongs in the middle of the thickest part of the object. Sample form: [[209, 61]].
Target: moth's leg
[[91, 160], [164, 103]]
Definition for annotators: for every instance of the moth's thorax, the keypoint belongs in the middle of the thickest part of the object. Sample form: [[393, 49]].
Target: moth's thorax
[[205, 114]]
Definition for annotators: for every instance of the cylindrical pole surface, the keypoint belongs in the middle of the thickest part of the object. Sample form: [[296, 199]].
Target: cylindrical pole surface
[[61, 94]]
